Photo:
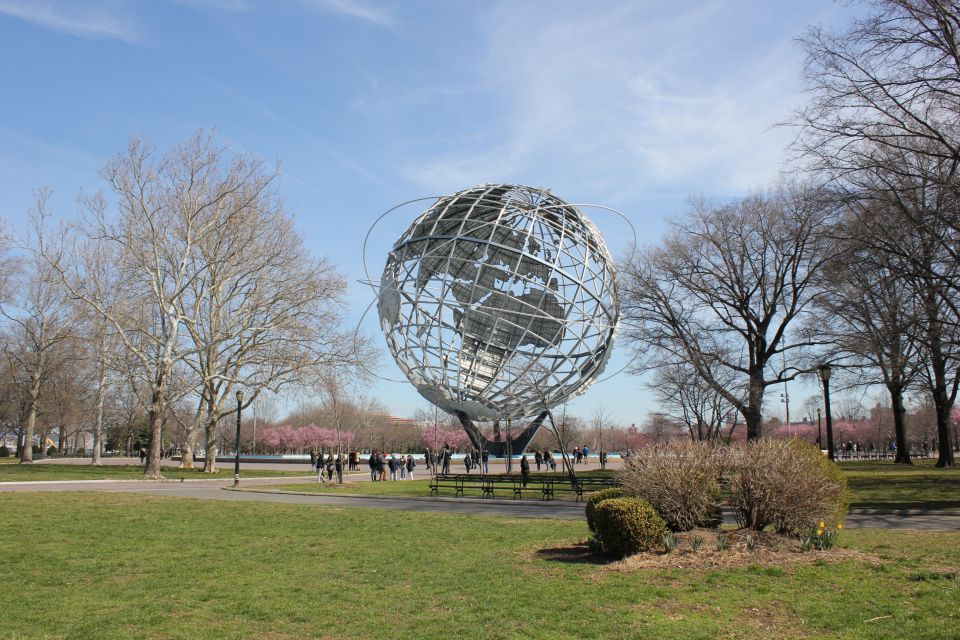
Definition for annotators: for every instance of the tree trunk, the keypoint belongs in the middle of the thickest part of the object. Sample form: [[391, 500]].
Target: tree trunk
[[754, 413], [189, 446], [157, 403], [101, 398], [900, 425], [190, 442], [26, 455], [210, 460], [944, 446], [938, 387]]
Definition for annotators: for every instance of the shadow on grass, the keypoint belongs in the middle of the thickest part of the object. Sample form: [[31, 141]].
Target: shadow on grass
[[576, 554]]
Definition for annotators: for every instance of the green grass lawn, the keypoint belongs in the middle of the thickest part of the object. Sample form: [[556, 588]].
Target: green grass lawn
[[884, 485], [131, 566], [53, 471]]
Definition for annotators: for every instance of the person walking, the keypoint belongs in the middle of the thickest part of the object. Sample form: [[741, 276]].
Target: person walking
[[538, 458], [411, 465], [525, 470], [392, 463], [446, 459], [320, 470], [338, 467], [467, 461], [372, 463], [485, 459], [329, 466]]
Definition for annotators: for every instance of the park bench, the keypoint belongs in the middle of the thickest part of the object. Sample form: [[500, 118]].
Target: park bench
[[547, 485]]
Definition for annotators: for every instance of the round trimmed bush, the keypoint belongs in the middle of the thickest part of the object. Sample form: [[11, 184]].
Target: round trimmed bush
[[4, 452], [51, 451], [625, 526], [600, 496]]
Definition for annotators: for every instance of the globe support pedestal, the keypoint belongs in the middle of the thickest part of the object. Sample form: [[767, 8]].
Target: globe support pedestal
[[513, 446]]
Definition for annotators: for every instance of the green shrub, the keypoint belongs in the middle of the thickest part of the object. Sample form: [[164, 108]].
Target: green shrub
[[680, 479], [35, 448], [625, 526], [4, 452], [600, 496], [52, 451], [787, 484]]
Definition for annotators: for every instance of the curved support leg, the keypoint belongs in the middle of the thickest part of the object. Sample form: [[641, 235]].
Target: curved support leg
[[516, 446]]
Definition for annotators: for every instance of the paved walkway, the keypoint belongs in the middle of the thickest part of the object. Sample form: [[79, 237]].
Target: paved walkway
[[259, 490]]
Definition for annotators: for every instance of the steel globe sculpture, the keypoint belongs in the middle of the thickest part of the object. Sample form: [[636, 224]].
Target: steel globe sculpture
[[498, 303]]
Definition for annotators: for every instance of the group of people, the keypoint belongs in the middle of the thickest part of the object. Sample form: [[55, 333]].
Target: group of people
[[329, 466], [400, 468], [475, 459], [542, 458]]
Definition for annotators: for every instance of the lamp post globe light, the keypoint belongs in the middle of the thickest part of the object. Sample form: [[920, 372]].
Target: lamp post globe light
[[236, 458], [825, 371]]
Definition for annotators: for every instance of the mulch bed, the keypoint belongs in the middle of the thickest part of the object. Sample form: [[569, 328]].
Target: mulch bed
[[770, 550]]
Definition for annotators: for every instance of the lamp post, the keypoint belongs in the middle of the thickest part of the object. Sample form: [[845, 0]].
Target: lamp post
[[825, 371], [236, 459], [819, 432]]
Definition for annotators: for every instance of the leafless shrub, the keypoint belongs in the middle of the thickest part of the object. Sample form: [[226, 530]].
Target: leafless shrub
[[680, 480], [787, 484]]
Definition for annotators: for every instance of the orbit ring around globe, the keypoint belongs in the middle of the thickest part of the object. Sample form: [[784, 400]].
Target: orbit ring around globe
[[500, 302]]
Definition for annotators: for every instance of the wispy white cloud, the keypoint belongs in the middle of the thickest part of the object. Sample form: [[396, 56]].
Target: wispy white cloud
[[628, 99], [308, 136], [69, 17], [355, 9]]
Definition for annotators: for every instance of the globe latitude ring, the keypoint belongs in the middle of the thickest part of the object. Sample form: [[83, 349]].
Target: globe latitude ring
[[500, 302]]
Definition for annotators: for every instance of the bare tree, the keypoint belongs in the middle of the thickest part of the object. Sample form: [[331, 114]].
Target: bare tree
[[262, 313], [870, 310], [600, 421], [40, 319], [685, 395], [169, 209], [906, 222], [889, 80], [724, 287], [884, 120]]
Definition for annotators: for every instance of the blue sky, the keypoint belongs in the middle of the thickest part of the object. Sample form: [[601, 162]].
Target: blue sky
[[632, 105]]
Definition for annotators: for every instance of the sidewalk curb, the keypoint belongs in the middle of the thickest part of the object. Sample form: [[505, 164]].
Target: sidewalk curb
[[903, 512], [143, 480]]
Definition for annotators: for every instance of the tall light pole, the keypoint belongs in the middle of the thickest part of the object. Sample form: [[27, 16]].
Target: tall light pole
[[825, 371], [236, 458]]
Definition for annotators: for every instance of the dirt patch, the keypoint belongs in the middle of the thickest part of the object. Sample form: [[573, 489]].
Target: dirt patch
[[769, 550]]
